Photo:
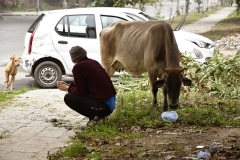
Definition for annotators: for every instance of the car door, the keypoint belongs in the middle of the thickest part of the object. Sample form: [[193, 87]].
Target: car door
[[71, 31]]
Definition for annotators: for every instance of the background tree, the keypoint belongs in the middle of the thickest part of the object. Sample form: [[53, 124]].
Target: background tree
[[121, 3], [178, 7], [187, 6], [237, 3], [103, 3]]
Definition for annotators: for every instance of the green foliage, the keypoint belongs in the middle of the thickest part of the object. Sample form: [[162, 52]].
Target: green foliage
[[103, 3], [237, 4], [219, 76], [103, 134], [121, 3], [76, 148], [210, 114], [158, 7]]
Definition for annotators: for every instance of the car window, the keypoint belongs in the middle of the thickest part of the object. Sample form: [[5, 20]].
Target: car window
[[35, 23], [107, 20], [77, 26]]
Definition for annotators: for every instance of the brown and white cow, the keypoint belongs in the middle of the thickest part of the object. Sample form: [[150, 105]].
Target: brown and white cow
[[145, 46]]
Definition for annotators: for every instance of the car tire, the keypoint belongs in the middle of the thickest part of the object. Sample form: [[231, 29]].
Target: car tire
[[47, 74]]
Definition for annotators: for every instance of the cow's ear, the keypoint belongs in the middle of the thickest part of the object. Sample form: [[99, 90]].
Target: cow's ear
[[186, 81], [158, 83]]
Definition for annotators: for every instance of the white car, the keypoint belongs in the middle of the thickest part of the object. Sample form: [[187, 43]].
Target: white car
[[48, 41]]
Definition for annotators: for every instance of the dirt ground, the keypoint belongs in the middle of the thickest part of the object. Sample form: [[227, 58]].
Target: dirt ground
[[178, 143]]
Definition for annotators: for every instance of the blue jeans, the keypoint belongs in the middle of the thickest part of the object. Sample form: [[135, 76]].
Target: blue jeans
[[87, 106]]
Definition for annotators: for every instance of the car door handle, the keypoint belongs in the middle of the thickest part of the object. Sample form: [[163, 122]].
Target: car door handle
[[62, 42]]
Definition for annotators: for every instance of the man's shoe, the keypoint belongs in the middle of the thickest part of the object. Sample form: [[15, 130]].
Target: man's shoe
[[94, 121], [91, 123], [98, 119]]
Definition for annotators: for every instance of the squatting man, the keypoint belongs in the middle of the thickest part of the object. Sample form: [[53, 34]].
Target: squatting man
[[92, 93]]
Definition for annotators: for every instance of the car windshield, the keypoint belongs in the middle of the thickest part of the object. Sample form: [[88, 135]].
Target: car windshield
[[147, 16], [135, 17], [140, 16]]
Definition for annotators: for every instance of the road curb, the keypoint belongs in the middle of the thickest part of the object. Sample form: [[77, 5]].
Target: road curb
[[20, 14]]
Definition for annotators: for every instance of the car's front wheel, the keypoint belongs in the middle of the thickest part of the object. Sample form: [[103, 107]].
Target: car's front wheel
[[47, 74]]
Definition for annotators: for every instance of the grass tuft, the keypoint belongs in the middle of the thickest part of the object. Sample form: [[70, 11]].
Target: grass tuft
[[6, 96]]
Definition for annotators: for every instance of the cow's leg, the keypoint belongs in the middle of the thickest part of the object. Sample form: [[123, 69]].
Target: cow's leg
[[154, 92], [152, 79], [165, 101], [111, 72], [107, 66]]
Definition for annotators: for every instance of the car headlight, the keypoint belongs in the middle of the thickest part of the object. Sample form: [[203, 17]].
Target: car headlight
[[200, 43], [197, 53]]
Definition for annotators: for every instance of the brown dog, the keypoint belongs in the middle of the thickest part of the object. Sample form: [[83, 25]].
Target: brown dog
[[11, 69]]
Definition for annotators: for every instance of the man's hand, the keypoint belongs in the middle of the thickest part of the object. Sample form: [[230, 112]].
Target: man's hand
[[63, 86]]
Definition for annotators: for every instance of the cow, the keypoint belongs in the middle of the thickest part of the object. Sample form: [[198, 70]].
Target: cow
[[145, 46]]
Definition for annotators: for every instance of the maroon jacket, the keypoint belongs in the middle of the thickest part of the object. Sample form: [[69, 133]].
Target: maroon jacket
[[91, 79]]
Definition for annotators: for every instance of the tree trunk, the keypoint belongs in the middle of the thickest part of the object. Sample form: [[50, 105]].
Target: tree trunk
[[221, 2], [199, 3], [187, 6], [178, 6], [204, 8], [40, 5]]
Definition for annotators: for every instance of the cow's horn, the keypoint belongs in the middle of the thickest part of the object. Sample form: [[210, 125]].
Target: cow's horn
[[183, 69], [164, 69]]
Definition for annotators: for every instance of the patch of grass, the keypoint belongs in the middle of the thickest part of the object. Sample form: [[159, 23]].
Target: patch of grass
[[86, 141], [133, 115], [6, 96], [208, 116], [76, 149], [134, 109]]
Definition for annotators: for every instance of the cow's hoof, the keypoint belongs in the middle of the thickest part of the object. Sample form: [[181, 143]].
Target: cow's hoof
[[174, 106]]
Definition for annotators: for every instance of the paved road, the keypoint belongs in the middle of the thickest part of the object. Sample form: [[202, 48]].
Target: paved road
[[12, 33], [207, 23]]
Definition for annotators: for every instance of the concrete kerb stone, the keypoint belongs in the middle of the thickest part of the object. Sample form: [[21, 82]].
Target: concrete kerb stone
[[20, 13]]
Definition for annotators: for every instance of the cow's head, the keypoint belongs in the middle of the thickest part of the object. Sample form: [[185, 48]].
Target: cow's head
[[171, 84]]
